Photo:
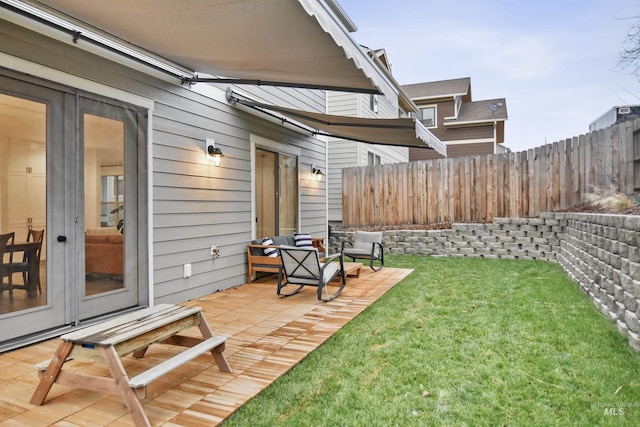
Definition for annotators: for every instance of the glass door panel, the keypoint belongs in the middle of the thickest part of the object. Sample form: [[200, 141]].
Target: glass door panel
[[288, 179], [31, 135], [104, 204], [266, 193], [23, 186], [276, 193], [109, 143]]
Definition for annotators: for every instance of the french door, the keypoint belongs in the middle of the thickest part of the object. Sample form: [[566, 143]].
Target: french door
[[107, 144], [69, 164], [276, 193]]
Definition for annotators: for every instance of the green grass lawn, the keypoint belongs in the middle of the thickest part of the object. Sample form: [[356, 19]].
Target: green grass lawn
[[464, 342]]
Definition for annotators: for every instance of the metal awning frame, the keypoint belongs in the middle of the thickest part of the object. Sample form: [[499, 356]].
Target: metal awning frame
[[192, 80], [287, 116]]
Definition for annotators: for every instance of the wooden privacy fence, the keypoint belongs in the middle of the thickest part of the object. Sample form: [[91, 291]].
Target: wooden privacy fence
[[479, 188]]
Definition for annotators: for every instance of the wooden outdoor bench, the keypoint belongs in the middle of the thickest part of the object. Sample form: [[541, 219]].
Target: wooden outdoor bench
[[132, 333], [259, 262]]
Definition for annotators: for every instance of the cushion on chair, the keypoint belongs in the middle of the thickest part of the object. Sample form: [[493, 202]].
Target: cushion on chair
[[303, 240], [330, 271], [363, 240], [362, 245], [272, 252], [284, 240]]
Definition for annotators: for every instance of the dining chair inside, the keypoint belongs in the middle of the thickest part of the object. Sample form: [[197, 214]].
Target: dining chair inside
[[6, 261], [31, 259]]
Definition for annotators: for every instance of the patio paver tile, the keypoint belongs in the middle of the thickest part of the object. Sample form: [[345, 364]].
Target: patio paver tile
[[266, 336]]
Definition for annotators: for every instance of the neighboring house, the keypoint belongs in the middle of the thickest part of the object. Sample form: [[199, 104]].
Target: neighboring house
[[615, 115], [467, 127], [348, 153], [108, 115]]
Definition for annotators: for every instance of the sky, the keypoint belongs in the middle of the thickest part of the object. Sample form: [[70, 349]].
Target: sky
[[555, 62]]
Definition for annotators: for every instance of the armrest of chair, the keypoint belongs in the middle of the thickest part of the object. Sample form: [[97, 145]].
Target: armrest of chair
[[329, 259], [255, 246], [251, 256], [373, 248], [332, 257], [318, 243]]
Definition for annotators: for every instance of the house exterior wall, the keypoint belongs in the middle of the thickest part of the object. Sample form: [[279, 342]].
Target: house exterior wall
[[193, 203], [453, 150], [343, 154], [461, 141]]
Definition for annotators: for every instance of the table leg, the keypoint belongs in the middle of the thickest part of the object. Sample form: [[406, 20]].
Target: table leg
[[51, 373], [112, 360], [216, 352]]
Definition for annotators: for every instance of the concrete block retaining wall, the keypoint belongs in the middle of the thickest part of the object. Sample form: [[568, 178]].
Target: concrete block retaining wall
[[600, 253]]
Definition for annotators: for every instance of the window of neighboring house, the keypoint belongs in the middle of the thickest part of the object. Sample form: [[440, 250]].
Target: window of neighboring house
[[428, 116], [373, 103], [373, 159]]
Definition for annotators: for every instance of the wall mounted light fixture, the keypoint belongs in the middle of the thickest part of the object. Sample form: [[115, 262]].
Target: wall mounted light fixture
[[316, 172], [213, 152]]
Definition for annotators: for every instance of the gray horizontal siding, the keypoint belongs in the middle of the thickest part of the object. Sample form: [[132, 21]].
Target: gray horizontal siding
[[195, 203]]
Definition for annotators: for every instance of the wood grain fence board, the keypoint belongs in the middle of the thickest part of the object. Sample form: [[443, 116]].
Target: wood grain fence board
[[582, 153], [420, 187], [446, 180], [483, 187], [562, 174], [439, 189], [578, 178], [628, 158], [506, 184], [470, 166], [491, 185], [525, 184], [480, 188], [613, 157], [382, 207], [428, 198], [535, 179], [405, 185], [543, 171], [415, 198], [554, 176], [590, 154], [513, 185]]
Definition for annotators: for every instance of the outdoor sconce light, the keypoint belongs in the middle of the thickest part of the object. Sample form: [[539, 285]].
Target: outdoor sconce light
[[316, 172], [213, 152]]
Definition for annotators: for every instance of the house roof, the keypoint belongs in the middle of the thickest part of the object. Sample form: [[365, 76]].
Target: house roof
[[379, 56], [477, 111], [439, 89]]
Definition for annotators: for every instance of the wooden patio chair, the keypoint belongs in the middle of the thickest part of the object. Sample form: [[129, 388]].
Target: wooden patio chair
[[302, 267], [366, 245]]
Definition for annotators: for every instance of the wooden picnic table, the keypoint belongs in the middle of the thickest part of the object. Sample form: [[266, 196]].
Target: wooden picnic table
[[131, 333]]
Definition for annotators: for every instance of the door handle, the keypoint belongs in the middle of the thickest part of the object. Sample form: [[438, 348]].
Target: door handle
[[62, 239]]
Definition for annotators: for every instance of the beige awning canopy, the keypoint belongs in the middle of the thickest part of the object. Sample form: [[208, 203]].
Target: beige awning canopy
[[296, 43], [406, 132]]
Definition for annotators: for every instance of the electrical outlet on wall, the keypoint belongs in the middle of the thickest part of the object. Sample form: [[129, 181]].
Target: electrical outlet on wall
[[187, 271], [215, 251]]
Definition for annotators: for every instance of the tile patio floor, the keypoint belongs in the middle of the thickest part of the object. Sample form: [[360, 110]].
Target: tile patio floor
[[266, 336]]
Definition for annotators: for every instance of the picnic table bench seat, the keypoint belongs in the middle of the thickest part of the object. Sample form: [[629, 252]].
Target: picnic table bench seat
[[131, 333]]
